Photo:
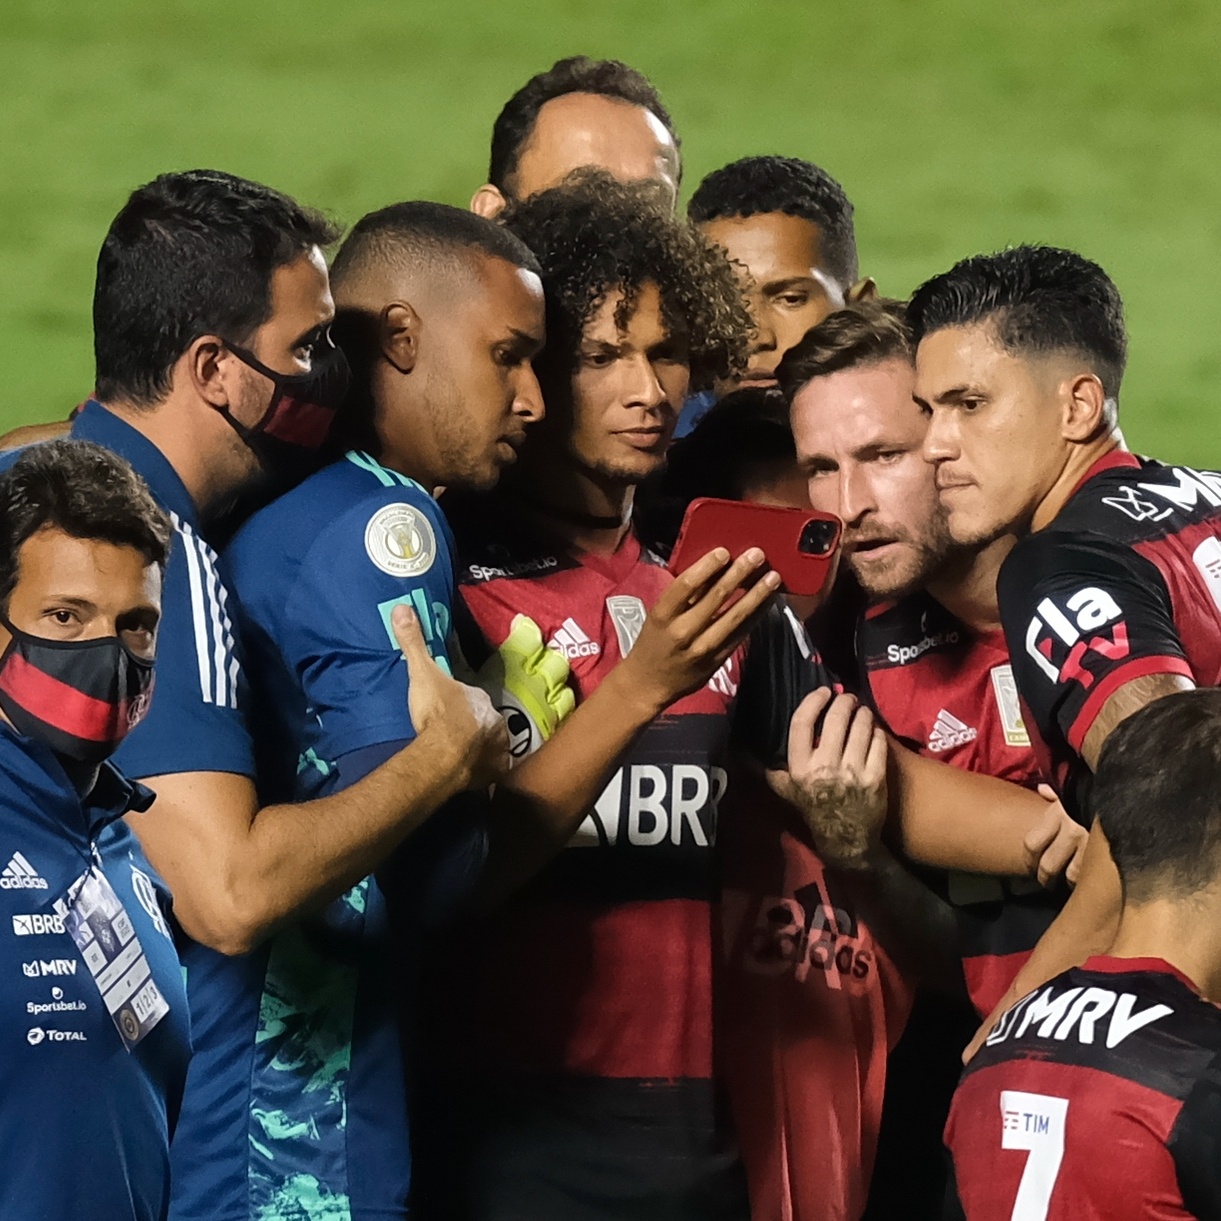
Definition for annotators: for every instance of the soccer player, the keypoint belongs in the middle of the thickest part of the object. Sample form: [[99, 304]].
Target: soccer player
[[1097, 1095], [95, 1025], [787, 225], [810, 998], [212, 310], [1112, 598], [580, 112], [931, 654]]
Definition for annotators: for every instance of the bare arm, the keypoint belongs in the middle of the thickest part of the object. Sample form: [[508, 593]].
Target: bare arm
[[684, 641], [30, 434], [1087, 923], [953, 819], [237, 871]]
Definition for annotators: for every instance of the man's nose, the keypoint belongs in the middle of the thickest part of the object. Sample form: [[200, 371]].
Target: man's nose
[[528, 402], [642, 386], [940, 438], [856, 498]]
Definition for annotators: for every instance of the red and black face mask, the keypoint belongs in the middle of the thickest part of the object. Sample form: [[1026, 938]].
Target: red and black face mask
[[302, 408], [79, 697]]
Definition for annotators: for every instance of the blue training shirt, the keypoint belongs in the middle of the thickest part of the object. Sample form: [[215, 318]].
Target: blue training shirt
[[303, 1035], [84, 1123]]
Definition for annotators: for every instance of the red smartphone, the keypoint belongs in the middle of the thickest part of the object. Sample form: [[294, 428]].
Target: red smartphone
[[800, 544]]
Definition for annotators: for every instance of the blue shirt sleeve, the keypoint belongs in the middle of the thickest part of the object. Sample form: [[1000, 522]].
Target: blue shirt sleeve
[[392, 548], [195, 722]]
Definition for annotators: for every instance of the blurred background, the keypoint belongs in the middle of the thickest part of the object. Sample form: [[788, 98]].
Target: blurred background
[[955, 126]]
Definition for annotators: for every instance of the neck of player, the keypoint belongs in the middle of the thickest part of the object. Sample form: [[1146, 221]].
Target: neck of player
[[966, 585], [1183, 932], [1076, 467], [592, 511]]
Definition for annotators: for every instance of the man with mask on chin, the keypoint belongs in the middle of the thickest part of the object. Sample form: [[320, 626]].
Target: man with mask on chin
[[212, 311], [95, 1027]]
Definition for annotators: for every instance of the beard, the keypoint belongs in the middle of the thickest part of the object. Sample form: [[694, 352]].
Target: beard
[[916, 560]]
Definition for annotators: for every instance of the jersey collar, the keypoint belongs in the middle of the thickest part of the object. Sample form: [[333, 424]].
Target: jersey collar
[[1106, 964], [95, 423], [111, 797], [1116, 458]]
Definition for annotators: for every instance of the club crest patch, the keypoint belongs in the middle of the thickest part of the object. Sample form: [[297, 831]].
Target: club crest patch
[[400, 540]]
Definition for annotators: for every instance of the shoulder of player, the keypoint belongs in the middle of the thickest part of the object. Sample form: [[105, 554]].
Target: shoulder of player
[[1069, 544], [1135, 502]]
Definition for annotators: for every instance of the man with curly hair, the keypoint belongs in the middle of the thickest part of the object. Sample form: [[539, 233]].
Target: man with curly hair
[[574, 1077]]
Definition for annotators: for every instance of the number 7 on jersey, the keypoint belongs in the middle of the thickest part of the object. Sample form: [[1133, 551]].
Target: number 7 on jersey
[[1034, 1122]]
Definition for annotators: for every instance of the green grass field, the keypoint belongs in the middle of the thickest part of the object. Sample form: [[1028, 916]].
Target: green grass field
[[955, 126]]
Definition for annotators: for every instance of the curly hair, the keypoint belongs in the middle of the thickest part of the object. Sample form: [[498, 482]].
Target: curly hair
[[757, 185], [595, 236]]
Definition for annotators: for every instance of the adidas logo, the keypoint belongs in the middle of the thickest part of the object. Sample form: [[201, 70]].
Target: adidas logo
[[949, 732], [19, 874], [572, 642]]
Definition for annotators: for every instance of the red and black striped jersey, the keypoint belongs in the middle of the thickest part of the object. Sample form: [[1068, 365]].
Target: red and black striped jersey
[[581, 1010], [1096, 1098], [1125, 582], [949, 693]]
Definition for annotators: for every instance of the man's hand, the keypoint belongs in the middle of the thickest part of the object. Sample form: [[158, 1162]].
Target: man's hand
[[450, 712], [839, 781], [689, 634], [1056, 843]]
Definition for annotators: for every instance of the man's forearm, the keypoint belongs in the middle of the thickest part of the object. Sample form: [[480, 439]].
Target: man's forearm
[[540, 804], [918, 930], [236, 877], [951, 819]]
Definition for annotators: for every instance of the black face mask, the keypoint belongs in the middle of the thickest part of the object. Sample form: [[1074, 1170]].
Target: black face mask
[[79, 697], [298, 419]]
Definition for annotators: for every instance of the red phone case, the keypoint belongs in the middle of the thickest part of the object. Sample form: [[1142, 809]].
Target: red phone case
[[738, 526]]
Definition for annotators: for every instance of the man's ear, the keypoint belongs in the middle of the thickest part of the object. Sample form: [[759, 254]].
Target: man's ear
[[863, 290], [1086, 412], [488, 202], [400, 335], [206, 362]]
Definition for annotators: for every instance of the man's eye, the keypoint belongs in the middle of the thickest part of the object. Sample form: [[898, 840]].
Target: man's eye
[[63, 617], [794, 300], [890, 455], [598, 360]]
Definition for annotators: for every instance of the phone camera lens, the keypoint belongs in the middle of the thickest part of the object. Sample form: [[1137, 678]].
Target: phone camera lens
[[817, 537]]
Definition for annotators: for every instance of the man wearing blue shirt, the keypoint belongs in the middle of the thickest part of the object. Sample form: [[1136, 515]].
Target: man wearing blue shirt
[[441, 312], [94, 1022], [212, 311]]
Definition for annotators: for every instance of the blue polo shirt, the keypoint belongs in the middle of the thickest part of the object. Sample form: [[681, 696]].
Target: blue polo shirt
[[307, 1029], [84, 1123]]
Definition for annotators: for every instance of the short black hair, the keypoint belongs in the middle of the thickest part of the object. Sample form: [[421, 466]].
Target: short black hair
[[608, 78], [754, 186], [1157, 795], [412, 236], [1039, 299], [594, 235], [85, 491], [419, 231], [743, 435], [866, 332], [189, 254]]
